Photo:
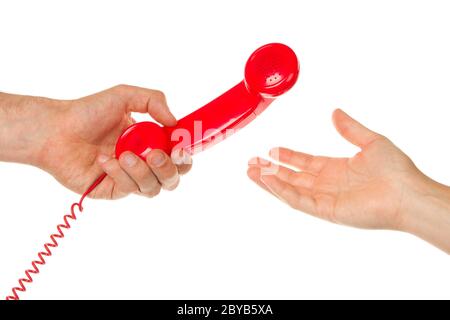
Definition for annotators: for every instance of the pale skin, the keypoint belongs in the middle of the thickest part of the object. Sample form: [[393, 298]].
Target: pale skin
[[378, 188], [74, 141]]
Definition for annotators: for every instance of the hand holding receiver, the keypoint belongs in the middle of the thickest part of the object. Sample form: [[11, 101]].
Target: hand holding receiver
[[271, 70]]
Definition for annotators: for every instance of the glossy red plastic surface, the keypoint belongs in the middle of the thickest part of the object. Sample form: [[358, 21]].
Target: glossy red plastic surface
[[270, 71], [142, 137]]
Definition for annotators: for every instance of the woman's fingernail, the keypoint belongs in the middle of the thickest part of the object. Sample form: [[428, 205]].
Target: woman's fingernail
[[253, 161], [103, 158], [274, 151], [129, 159], [262, 162], [157, 159]]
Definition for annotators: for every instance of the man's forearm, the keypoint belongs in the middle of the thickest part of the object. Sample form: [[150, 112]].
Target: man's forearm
[[24, 124], [429, 214]]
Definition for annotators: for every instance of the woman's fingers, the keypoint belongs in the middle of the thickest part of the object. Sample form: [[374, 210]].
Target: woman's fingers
[[254, 173], [300, 160], [164, 169], [287, 193], [297, 197], [288, 185], [139, 171], [298, 179]]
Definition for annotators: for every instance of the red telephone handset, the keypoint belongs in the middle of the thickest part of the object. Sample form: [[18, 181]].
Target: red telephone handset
[[270, 71]]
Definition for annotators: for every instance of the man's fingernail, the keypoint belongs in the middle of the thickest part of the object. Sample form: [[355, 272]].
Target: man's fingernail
[[157, 159], [180, 157], [130, 160], [103, 158], [170, 182]]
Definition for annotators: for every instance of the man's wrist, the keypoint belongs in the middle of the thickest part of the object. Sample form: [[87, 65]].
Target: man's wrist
[[25, 126]]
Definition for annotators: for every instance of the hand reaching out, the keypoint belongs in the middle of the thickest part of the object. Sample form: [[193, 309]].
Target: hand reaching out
[[363, 191], [379, 187]]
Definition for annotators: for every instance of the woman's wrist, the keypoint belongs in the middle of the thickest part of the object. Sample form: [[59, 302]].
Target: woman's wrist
[[26, 124], [427, 212]]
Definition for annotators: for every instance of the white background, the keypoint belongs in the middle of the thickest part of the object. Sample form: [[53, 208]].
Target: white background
[[218, 235]]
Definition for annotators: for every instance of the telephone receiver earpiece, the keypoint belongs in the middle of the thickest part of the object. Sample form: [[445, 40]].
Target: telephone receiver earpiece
[[270, 71]]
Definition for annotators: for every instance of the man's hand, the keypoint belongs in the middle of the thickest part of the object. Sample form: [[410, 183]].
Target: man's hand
[[379, 187], [75, 141]]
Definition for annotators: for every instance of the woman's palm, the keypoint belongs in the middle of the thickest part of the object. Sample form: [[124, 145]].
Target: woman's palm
[[363, 191]]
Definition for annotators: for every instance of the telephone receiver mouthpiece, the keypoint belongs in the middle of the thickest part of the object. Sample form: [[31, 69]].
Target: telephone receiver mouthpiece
[[270, 71]]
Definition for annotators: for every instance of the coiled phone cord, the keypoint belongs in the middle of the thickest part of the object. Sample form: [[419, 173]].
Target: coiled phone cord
[[47, 252]]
